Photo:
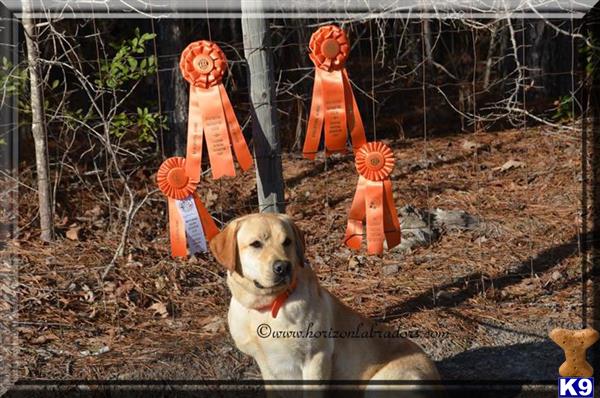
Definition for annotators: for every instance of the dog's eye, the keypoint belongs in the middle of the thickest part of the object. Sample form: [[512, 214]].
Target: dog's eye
[[256, 244], [287, 242]]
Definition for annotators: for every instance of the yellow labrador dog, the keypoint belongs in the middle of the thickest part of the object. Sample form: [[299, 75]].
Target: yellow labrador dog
[[294, 328]]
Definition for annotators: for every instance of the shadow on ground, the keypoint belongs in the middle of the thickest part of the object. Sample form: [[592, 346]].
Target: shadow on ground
[[521, 370], [528, 362], [544, 261]]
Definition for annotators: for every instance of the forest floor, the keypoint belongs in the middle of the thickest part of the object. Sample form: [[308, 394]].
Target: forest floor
[[478, 296]]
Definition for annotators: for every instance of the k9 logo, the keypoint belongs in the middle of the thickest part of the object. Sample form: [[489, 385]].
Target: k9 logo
[[575, 387]]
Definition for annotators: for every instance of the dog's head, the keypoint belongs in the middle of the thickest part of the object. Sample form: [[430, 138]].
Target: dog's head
[[264, 248]]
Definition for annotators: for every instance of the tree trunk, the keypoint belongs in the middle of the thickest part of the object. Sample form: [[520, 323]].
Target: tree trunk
[[267, 148], [38, 126], [428, 38], [489, 58], [306, 86], [175, 94]]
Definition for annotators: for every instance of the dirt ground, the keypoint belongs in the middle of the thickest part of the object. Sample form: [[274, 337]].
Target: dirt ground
[[482, 299]]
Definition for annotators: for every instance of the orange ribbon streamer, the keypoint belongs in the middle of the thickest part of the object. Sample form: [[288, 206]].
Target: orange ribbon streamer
[[211, 114], [373, 201], [333, 106], [176, 185]]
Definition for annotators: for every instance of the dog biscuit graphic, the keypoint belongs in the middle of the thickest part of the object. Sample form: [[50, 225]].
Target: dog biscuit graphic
[[575, 344]]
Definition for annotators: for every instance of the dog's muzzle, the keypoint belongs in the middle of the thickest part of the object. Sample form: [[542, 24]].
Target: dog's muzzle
[[282, 268], [283, 273]]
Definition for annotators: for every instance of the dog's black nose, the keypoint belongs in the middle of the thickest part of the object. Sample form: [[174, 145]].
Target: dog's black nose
[[281, 267]]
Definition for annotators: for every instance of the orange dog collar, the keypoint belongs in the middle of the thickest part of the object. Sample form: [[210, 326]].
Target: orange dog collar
[[276, 305]]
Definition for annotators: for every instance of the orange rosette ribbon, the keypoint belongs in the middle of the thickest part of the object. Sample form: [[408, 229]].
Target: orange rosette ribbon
[[186, 210], [211, 115], [333, 106], [373, 201]]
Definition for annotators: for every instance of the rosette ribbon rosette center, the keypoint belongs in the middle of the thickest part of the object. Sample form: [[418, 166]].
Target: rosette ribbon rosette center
[[373, 203], [333, 106], [190, 224], [211, 115]]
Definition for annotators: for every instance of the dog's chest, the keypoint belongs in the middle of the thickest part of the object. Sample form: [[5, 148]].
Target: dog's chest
[[277, 344]]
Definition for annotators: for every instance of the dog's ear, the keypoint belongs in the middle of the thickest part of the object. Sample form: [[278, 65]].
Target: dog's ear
[[224, 246], [298, 238], [300, 243]]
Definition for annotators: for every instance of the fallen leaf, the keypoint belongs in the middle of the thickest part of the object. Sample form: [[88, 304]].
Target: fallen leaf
[[88, 295], [474, 146], [210, 198], [160, 309], [511, 164], [123, 289], [95, 212], [44, 338], [471, 145], [73, 232], [481, 239], [160, 283], [443, 295], [556, 275], [109, 287], [215, 324], [101, 350], [390, 269]]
